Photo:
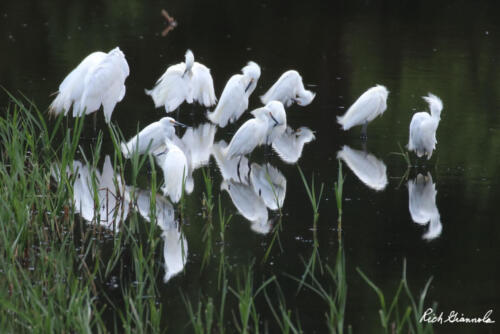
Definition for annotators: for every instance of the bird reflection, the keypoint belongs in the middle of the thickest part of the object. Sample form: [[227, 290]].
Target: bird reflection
[[113, 201], [422, 204], [370, 170], [253, 188], [236, 169], [175, 249], [290, 144], [269, 184], [196, 145], [248, 204]]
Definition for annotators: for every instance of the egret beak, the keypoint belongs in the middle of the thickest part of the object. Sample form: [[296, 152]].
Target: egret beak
[[162, 153], [175, 123], [249, 84], [274, 119]]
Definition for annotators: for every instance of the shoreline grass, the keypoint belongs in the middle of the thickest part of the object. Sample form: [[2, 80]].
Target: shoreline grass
[[62, 273]]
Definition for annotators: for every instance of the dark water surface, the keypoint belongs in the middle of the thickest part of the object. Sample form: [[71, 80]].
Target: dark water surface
[[340, 50]]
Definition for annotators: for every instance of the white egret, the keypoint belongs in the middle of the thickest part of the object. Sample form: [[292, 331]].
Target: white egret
[[269, 184], [152, 137], [290, 144], [289, 89], [268, 124], [423, 127], [370, 170], [196, 144], [175, 168], [188, 81], [234, 98], [369, 105], [98, 80], [422, 205]]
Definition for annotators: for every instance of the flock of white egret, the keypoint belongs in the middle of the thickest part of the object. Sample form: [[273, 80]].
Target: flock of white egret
[[100, 80]]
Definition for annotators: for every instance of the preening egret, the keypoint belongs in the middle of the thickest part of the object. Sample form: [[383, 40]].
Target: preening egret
[[196, 144], [188, 81], [175, 169], [289, 89], [369, 105], [423, 127], [422, 204], [234, 98], [98, 80], [152, 136], [268, 124], [290, 144], [370, 170]]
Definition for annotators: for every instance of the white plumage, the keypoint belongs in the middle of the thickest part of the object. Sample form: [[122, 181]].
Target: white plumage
[[248, 203], [188, 81], [236, 169], [234, 98], [175, 169], [369, 105], [290, 144], [289, 89], [196, 144], [422, 205], [152, 136], [370, 170], [163, 211], [175, 251], [112, 203], [269, 184], [268, 124], [98, 80], [423, 128]]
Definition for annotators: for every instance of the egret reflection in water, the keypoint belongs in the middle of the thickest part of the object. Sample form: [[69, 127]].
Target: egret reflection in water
[[236, 169], [370, 170], [290, 144], [422, 204], [263, 188], [112, 195], [175, 249]]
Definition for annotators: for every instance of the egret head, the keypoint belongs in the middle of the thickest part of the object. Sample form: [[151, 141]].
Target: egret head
[[252, 70], [435, 105], [251, 74], [169, 123], [277, 113], [304, 97], [305, 134], [189, 61], [382, 90]]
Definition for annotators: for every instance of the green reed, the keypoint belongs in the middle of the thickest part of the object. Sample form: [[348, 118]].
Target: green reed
[[391, 319]]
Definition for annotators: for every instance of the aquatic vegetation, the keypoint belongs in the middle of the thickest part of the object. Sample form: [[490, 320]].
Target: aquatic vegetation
[[392, 320]]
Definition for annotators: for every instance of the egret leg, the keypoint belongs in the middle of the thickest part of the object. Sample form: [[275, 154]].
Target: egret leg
[[364, 132], [363, 146], [238, 167], [249, 169]]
